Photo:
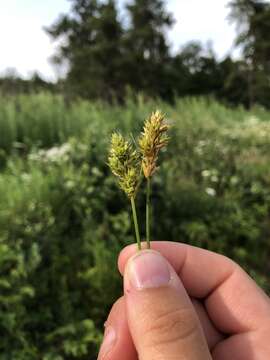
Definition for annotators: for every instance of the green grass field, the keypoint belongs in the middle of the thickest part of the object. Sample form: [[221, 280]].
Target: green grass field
[[63, 219]]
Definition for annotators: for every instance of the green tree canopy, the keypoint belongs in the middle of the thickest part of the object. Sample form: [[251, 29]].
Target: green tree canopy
[[253, 20], [103, 57], [147, 50], [90, 39]]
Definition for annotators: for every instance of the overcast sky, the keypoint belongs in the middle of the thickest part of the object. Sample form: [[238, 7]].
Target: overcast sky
[[25, 46]]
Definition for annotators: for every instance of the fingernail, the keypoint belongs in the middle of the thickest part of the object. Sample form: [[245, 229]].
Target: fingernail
[[108, 342], [148, 269]]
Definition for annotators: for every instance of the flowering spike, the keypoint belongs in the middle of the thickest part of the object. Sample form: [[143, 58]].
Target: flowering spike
[[152, 139], [124, 162]]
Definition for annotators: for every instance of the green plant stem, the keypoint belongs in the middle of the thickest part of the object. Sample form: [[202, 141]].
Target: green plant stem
[[136, 226], [148, 193]]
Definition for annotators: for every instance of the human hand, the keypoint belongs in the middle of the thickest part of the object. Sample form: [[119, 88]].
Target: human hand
[[187, 303]]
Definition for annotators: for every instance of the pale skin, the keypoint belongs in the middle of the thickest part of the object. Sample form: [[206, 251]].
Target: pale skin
[[210, 309]]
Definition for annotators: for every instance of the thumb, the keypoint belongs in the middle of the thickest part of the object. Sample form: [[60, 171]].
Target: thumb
[[161, 318]]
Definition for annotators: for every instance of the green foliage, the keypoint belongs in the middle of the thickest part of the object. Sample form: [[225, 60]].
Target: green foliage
[[136, 49], [12, 84], [92, 48], [146, 49], [141, 60], [63, 219], [253, 20], [45, 120]]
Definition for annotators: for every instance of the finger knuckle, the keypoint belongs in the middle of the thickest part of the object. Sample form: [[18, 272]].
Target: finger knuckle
[[172, 326]]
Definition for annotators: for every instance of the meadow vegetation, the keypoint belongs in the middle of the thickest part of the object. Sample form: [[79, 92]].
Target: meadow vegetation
[[63, 219]]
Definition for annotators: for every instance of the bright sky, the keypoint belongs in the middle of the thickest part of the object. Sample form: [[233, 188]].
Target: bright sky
[[25, 46]]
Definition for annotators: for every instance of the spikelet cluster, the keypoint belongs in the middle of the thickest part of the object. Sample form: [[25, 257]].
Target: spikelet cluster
[[153, 138], [124, 162]]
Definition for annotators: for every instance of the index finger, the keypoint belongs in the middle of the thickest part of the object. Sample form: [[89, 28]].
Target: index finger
[[232, 299]]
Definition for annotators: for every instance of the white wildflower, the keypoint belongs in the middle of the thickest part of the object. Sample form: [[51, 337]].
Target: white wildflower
[[57, 153], [54, 154], [25, 177], [206, 173], [252, 120], [214, 178], [210, 191]]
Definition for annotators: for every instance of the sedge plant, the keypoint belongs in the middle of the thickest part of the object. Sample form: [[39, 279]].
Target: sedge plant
[[153, 138], [124, 162], [128, 163]]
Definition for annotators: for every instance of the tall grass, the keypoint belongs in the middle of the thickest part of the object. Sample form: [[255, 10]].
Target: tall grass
[[44, 120]]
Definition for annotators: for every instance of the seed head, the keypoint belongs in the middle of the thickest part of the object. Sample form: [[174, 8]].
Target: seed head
[[124, 162], [153, 138]]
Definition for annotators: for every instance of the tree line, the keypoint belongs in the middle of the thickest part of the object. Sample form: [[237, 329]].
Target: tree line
[[106, 54]]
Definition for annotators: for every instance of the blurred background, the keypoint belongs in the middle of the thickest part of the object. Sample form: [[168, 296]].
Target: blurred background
[[71, 72]]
